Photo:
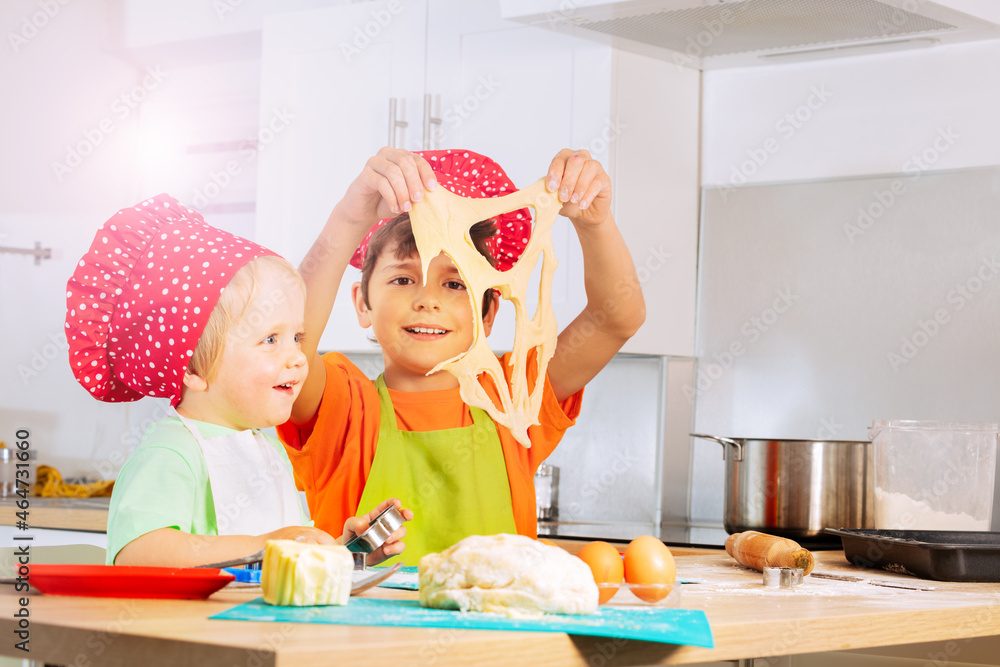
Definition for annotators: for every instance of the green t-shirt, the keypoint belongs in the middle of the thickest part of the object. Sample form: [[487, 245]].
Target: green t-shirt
[[164, 484]]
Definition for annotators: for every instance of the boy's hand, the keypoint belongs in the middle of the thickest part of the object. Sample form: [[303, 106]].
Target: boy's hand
[[393, 546], [390, 182], [582, 185]]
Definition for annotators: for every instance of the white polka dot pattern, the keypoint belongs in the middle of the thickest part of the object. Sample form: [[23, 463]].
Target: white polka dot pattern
[[139, 299], [472, 175]]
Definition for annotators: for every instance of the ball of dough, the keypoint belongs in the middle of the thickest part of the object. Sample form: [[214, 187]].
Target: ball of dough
[[507, 574]]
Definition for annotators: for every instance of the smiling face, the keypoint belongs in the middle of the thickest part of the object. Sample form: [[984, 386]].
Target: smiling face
[[261, 368], [418, 326]]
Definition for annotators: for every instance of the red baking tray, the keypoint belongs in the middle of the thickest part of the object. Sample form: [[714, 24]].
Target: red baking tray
[[122, 581]]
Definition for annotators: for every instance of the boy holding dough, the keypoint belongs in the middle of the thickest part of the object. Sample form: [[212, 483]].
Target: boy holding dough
[[409, 434]]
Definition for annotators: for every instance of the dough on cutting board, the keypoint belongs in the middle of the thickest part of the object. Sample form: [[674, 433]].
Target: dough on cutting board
[[507, 574]]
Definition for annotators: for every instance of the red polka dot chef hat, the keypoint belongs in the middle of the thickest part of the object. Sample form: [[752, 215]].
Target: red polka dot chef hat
[[139, 299], [475, 176]]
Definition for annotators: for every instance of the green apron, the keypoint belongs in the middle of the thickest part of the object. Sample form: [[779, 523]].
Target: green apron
[[454, 480]]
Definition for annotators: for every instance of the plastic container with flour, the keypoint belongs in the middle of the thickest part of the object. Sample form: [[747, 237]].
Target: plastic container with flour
[[932, 475]]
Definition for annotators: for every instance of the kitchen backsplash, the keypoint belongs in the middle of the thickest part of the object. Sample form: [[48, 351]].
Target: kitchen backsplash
[[813, 323]]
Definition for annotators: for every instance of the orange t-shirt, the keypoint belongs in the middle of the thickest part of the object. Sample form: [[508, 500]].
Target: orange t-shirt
[[332, 455]]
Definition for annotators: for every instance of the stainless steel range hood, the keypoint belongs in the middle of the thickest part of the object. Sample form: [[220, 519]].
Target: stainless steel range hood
[[714, 34]]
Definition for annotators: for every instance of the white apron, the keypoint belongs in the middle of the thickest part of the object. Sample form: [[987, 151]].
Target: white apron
[[252, 488]]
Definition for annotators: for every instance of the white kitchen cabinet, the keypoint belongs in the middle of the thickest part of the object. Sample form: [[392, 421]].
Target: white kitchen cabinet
[[657, 185], [517, 94], [333, 71]]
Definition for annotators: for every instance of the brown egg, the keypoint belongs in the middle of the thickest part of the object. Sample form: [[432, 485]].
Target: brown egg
[[649, 568], [606, 564]]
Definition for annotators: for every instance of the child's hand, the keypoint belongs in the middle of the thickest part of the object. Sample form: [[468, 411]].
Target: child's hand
[[582, 185], [391, 180], [392, 546], [306, 534]]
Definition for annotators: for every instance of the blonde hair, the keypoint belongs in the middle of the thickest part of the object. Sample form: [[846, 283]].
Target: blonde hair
[[233, 305]]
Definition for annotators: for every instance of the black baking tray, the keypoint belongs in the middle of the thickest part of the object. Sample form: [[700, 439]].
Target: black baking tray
[[931, 554]]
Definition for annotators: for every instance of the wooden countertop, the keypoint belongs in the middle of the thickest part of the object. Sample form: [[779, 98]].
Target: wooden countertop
[[746, 619], [63, 513]]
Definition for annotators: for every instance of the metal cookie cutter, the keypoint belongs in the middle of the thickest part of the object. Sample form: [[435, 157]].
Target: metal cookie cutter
[[782, 577], [379, 529]]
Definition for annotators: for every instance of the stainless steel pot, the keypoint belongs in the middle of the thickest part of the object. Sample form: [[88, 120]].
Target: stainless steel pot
[[796, 488]]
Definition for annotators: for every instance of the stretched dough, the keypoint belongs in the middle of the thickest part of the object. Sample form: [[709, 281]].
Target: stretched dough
[[441, 223], [507, 574]]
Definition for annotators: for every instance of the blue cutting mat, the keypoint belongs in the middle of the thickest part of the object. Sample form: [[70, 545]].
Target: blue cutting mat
[[670, 626], [405, 578]]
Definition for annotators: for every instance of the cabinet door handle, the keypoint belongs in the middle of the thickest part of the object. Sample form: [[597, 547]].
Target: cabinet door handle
[[428, 121], [394, 122]]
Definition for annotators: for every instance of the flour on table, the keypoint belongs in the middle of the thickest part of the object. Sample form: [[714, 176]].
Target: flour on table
[[507, 574]]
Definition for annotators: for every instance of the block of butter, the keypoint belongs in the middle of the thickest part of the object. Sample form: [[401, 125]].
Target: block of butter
[[296, 574]]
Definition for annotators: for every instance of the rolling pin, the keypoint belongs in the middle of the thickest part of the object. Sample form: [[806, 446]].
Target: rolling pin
[[759, 550]]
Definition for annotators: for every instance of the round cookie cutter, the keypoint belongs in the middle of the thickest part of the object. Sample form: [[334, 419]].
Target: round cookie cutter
[[379, 529]]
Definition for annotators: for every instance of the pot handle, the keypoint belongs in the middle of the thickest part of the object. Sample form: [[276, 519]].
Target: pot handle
[[723, 441]]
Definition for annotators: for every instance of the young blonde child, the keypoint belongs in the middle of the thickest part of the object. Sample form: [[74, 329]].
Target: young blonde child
[[408, 433], [165, 305]]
